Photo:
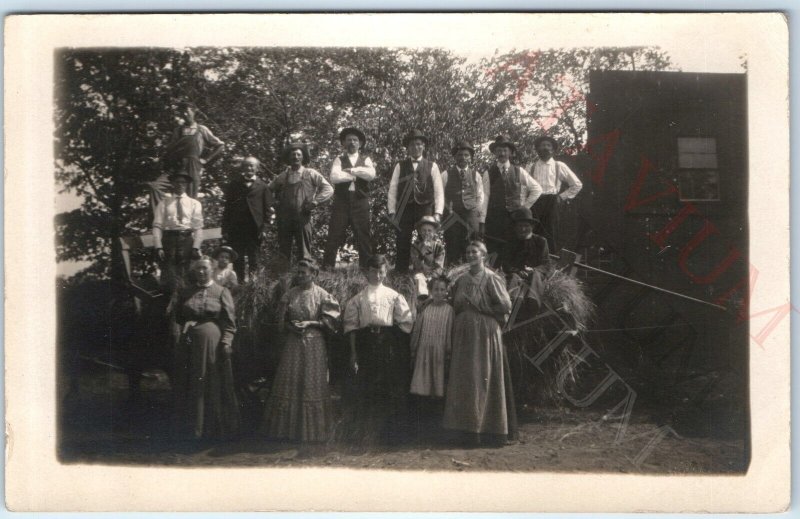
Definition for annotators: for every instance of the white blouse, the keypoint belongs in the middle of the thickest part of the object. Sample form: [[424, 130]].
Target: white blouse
[[377, 306]]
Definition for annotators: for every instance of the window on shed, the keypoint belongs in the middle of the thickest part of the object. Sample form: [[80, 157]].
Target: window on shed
[[698, 177]]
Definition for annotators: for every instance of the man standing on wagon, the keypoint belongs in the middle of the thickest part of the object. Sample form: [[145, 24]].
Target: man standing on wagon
[[506, 188], [415, 190], [299, 190], [463, 197], [351, 174], [550, 174]]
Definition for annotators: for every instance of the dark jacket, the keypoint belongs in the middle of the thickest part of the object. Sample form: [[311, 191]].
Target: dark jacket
[[519, 254], [242, 203]]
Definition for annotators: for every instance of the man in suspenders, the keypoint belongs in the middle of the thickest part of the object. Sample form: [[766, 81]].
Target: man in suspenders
[[351, 174], [463, 199], [506, 188], [550, 174], [414, 191]]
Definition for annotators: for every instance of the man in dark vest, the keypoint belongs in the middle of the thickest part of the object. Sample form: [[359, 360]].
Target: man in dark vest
[[463, 199], [506, 188], [351, 174], [247, 213], [415, 190], [551, 174]]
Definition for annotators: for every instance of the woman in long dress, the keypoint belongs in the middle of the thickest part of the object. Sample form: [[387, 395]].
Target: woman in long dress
[[299, 406], [479, 398], [206, 405]]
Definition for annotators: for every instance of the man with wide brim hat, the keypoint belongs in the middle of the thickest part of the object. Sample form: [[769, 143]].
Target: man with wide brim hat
[[415, 190], [298, 191], [463, 200], [177, 230], [353, 131], [289, 148], [523, 261], [503, 140], [352, 173], [232, 254], [551, 174], [506, 188], [415, 135]]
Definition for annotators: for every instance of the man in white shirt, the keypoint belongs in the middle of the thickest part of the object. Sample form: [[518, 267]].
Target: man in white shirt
[[421, 194], [351, 174], [177, 230], [506, 188], [463, 197], [551, 174]]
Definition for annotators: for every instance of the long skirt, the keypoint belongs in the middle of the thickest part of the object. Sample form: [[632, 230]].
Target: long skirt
[[479, 398], [206, 405], [299, 406], [378, 402]]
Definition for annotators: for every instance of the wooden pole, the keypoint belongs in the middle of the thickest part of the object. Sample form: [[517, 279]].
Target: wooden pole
[[569, 258]]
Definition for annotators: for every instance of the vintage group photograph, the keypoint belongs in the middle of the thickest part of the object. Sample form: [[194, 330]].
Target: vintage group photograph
[[401, 258]]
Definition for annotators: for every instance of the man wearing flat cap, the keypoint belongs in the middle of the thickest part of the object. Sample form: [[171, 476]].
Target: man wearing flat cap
[[463, 200], [506, 188], [177, 230], [298, 191], [551, 174], [415, 190], [351, 174]]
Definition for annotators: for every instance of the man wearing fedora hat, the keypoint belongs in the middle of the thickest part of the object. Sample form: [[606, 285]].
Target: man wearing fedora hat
[[351, 174], [463, 199], [421, 195], [246, 215], [177, 230], [299, 190], [523, 257], [506, 188], [551, 174]]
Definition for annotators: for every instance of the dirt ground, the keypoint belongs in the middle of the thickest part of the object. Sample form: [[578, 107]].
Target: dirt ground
[[100, 424]]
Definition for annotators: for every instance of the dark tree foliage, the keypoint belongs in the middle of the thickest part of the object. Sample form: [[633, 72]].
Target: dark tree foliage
[[114, 113]]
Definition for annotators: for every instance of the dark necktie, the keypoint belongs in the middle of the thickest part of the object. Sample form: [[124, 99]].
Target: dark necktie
[[180, 210]]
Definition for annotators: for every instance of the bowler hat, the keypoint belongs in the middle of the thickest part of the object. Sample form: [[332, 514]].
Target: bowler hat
[[180, 174], [430, 220], [543, 138], [353, 131], [502, 140], [463, 145], [296, 146], [413, 135], [522, 215], [225, 248]]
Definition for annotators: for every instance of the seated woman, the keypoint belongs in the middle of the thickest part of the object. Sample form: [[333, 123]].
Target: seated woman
[[378, 321], [206, 405], [299, 406], [479, 398]]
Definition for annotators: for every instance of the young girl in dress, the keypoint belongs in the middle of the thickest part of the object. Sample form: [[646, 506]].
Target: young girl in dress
[[224, 275], [430, 352], [427, 255]]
